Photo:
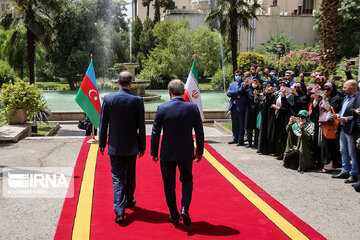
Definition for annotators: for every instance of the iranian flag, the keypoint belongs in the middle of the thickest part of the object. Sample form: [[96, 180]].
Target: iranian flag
[[192, 91], [88, 97]]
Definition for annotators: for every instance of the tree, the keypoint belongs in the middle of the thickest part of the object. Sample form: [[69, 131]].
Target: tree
[[78, 35], [146, 3], [147, 39], [136, 30], [165, 4], [272, 45], [349, 39], [231, 13], [173, 54], [113, 13], [35, 15], [329, 31], [13, 49]]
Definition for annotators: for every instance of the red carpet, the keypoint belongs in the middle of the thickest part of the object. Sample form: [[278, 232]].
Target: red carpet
[[218, 210]]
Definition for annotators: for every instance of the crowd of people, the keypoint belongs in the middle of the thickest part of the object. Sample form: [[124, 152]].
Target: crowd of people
[[313, 126]]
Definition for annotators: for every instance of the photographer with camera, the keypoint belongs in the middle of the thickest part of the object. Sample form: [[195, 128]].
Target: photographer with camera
[[300, 132]]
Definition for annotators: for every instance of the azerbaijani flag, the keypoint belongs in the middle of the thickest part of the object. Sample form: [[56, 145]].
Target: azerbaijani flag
[[192, 90], [88, 97]]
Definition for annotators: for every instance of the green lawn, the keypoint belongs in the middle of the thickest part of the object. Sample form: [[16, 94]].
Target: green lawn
[[61, 86], [227, 125], [43, 129], [205, 86]]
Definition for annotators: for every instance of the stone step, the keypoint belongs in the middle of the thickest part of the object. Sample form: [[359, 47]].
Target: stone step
[[13, 133]]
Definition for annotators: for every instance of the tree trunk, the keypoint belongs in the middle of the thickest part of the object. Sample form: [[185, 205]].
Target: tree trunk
[[329, 30], [71, 83], [30, 38], [233, 42]]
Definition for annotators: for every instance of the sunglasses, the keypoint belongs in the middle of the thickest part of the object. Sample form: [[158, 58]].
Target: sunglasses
[[302, 117], [327, 89]]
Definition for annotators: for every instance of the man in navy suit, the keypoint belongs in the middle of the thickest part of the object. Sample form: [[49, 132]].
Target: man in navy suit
[[237, 107], [177, 118], [349, 170], [123, 113]]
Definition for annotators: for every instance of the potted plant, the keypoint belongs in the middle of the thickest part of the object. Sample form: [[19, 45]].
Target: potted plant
[[21, 101]]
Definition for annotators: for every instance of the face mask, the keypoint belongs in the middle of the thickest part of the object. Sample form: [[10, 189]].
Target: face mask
[[238, 78], [254, 85]]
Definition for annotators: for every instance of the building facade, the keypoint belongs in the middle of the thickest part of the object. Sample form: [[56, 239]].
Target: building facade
[[4, 5], [293, 17]]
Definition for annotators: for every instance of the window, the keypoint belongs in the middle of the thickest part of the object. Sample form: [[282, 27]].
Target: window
[[184, 7], [308, 6], [3, 7]]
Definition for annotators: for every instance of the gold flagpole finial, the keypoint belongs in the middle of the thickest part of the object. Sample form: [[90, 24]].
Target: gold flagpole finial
[[91, 56], [194, 57]]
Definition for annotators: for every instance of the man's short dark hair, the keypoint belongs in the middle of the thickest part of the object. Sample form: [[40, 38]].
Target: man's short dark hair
[[176, 87], [254, 66], [125, 78], [238, 71]]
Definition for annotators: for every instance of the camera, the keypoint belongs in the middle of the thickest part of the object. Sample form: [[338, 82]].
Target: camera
[[352, 62], [306, 74]]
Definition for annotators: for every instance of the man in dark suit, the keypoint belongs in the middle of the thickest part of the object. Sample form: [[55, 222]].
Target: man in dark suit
[[123, 113], [237, 106], [349, 171], [177, 118]]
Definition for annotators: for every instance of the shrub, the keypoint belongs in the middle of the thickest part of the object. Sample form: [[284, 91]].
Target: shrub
[[217, 82], [300, 61], [246, 59], [22, 95]]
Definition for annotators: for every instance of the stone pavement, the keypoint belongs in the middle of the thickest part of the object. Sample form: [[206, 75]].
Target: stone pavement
[[328, 205]]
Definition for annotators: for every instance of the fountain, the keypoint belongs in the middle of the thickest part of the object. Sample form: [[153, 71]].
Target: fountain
[[138, 86]]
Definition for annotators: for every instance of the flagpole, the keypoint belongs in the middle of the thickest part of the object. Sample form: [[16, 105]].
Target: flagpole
[[92, 140]]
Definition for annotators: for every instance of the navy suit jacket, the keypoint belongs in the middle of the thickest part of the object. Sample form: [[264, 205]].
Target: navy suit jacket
[[349, 114], [237, 94], [123, 113], [177, 118]]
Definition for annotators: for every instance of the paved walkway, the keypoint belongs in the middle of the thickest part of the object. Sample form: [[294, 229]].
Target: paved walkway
[[328, 205]]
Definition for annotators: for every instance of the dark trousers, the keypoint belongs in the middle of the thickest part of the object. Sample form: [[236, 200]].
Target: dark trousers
[[123, 176], [237, 121], [168, 172]]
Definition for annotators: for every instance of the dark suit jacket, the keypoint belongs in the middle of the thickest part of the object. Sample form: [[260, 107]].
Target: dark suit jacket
[[177, 118], [123, 113], [348, 126], [237, 94]]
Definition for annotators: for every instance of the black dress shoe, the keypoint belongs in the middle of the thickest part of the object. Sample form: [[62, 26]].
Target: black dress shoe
[[186, 217], [356, 185], [130, 204], [351, 179], [119, 219], [173, 220], [240, 144], [341, 175], [232, 142]]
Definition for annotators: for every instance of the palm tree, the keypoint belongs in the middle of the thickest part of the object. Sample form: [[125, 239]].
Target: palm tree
[[35, 16], [231, 14], [329, 30]]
